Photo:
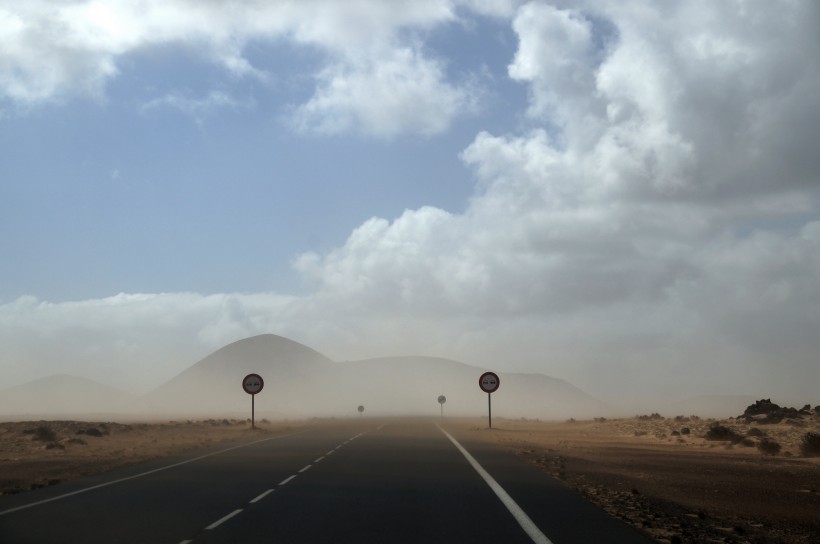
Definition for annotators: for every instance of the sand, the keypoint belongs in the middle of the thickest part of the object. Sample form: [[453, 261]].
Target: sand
[[35, 454], [676, 488], [679, 488]]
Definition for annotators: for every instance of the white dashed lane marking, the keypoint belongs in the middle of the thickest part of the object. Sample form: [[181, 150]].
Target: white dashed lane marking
[[258, 498], [220, 521], [262, 496], [286, 480]]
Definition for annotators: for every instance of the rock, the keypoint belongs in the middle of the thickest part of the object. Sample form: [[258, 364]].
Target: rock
[[765, 412]]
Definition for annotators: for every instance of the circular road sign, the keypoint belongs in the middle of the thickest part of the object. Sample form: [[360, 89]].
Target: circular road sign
[[489, 382], [361, 409], [442, 399], [253, 384]]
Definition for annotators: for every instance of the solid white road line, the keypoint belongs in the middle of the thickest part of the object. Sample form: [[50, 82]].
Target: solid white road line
[[262, 496], [65, 495], [286, 480], [520, 516], [304, 468], [220, 521]]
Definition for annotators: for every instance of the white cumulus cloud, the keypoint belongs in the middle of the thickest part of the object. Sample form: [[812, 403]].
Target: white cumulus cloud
[[375, 77], [653, 229]]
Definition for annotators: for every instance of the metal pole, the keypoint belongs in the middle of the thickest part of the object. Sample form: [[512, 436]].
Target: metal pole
[[253, 412], [442, 411], [490, 409]]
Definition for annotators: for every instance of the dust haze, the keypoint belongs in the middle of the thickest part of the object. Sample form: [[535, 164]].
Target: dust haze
[[301, 382]]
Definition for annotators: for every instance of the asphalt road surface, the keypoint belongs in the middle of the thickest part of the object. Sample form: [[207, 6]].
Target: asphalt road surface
[[362, 481]]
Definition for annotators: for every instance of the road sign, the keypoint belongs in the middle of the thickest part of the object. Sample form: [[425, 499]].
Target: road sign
[[253, 384], [489, 382], [442, 399], [361, 409]]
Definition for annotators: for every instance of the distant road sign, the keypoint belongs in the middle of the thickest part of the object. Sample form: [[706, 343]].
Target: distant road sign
[[361, 409], [253, 384], [489, 382], [442, 399]]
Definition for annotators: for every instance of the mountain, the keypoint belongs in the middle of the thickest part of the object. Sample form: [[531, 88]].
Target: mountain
[[61, 395], [214, 385], [300, 381], [401, 385]]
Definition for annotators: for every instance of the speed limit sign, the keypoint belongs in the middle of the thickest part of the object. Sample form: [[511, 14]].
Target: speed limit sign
[[489, 382], [253, 384]]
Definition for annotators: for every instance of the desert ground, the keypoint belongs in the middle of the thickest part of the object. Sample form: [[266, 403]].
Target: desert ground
[[681, 488], [36, 454], [676, 485]]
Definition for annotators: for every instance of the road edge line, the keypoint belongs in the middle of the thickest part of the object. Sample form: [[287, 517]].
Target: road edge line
[[140, 475], [518, 513]]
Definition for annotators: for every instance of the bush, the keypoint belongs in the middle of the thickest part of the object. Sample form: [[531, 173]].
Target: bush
[[810, 445], [645, 417], [768, 447], [44, 434], [754, 431], [719, 432]]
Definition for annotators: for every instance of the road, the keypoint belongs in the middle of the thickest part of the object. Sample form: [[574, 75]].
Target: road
[[362, 481]]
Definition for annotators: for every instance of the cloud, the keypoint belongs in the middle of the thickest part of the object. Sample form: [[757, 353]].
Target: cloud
[[649, 208], [375, 77], [197, 108], [651, 230], [134, 341], [403, 93]]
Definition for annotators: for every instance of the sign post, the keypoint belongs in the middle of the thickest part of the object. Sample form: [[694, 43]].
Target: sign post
[[361, 410], [489, 382], [253, 384], [441, 400]]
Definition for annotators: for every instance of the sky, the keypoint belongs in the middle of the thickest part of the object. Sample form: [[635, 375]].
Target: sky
[[625, 195]]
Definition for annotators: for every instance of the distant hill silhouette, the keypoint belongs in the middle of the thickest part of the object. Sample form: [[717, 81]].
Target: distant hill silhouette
[[214, 384], [398, 385], [63, 395], [299, 382]]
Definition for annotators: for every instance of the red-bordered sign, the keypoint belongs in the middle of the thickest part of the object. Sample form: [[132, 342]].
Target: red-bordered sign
[[253, 384], [489, 382]]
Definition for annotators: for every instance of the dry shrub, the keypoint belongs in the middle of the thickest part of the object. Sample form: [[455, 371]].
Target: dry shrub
[[44, 434], [719, 432], [810, 445], [768, 447]]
